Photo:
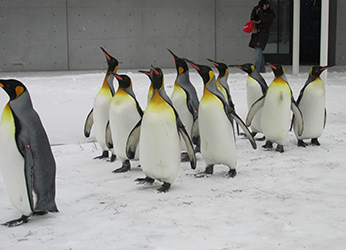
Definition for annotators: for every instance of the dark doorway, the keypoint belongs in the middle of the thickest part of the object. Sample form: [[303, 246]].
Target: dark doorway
[[279, 47], [310, 26]]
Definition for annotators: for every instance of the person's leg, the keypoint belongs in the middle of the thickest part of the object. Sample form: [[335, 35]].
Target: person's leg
[[260, 64]]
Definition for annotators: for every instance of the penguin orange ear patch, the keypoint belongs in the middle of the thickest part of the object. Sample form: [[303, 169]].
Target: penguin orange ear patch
[[1, 85], [19, 90]]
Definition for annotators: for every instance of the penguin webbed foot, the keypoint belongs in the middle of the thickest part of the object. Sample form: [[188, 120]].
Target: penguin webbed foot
[[103, 156], [124, 168], [17, 222], [279, 148], [314, 142], [146, 180], [260, 139], [301, 143], [112, 158], [164, 188], [184, 157], [268, 144], [209, 170], [232, 173], [39, 213]]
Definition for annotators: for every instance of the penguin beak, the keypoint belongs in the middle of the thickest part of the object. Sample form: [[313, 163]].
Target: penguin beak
[[235, 66], [118, 77], [273, 67], [153, 69], [192, 64], [324, 68], [174, 56], [145, 72], [106, 54], [213, 62]]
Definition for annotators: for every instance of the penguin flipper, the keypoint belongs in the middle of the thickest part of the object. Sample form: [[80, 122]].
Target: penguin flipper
[[28, 170], [298, 117], [243, 126], [188, 143], [325, 118], [89, 123], [109, 141], [195, 133], [254, 109], [133, 140]]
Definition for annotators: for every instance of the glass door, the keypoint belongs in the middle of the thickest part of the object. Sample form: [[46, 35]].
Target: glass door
[[279, 48]]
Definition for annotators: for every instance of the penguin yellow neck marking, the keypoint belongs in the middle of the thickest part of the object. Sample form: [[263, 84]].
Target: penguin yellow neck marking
[[120, 97], [7, 115], [209, 97], [317, 85], [221, 89], [157, 103], [279, 80]]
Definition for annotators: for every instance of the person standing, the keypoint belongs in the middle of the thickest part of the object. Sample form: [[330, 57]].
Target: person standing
[[263, 17]]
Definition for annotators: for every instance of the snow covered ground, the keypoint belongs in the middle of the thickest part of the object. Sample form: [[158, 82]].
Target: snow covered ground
[[293, 200]]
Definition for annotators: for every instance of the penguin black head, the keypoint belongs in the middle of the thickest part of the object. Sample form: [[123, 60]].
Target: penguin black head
[[317, 70], [111, 61], [124, 81], [221, 67], [278, 70], [180, 63], [247, 67], [13, 88], [156, 76], [203, 70]]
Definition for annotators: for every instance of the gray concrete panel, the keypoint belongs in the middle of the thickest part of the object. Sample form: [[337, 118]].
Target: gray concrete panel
[[231, 41], [33, 35], [86, 53], [340, 52]]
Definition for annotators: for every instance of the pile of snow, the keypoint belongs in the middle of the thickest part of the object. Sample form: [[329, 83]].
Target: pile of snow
[[293, 200]]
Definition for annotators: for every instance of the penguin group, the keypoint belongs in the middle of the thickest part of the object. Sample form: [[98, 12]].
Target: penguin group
[[169, 131]]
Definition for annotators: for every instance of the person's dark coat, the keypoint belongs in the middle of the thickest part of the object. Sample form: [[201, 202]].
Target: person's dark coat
[[260, 39]]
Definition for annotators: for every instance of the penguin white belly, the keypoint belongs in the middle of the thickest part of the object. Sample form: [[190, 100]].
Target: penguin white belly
[[160, 145], [179, 102], [101, 117], [216, 133], [12, 169], [312, 106], [123, 116], [253, 93], [275, 120]]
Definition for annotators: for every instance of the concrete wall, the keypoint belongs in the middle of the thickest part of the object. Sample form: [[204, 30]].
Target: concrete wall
[[67, 34], [340, 43]]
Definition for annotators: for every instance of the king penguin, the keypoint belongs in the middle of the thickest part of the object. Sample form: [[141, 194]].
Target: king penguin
[[256, 87], [99, 114], [150, 91], [185, 101], [158, 135], [312, 101], [276, 105], [216, 130], [222, 85], [27, 163], [124, 113]]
